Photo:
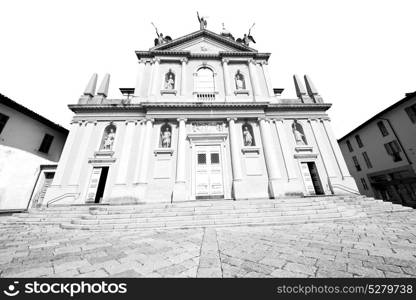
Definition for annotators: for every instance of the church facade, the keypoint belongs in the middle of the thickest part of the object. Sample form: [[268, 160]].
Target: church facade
[[202, 122]]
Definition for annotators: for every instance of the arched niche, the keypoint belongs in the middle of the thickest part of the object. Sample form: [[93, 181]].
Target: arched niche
[[299, 134], [248, 135], [109, 135]]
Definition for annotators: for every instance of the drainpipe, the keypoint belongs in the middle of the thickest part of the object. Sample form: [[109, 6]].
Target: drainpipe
[[398, 140]]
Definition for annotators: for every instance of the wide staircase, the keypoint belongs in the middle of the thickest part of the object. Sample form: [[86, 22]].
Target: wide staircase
[[206, 213]]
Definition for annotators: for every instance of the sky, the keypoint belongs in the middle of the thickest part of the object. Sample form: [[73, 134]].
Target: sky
[[361, 55]]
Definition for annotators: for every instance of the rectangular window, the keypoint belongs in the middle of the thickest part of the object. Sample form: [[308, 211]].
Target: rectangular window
[[46, 143], [364, 183], [359, 142], [202, 158], [356, 164], [215, 158], [411, 112], [3, 121], [349, 146], [393, 149], [382, 128], [367, 160]]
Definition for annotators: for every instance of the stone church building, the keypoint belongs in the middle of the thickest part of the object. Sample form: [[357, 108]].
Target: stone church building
[[202, 122]]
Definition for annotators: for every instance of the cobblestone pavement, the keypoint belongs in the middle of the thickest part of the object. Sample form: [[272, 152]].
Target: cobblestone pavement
[[381, 246]]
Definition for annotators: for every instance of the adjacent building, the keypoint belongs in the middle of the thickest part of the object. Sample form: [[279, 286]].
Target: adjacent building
[[30, 148], [202, 121], [380, 153]]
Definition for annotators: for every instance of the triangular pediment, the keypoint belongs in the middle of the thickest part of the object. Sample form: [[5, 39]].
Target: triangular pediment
[[204, 41]]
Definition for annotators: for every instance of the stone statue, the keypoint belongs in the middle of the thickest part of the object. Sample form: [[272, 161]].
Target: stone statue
[[239, 81], [202, 22], [166, 138], [109, 140], [247, 38], [248, 139], [170, 81], [299, 136], [160, 38]]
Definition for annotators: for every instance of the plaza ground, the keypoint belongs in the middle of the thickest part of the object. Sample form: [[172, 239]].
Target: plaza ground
[[382, 245]]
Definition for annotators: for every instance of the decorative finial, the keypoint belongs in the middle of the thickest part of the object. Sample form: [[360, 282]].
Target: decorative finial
[[247, 38]]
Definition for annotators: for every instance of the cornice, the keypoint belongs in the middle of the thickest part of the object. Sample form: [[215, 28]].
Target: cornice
[[188, 54], [203, 32]]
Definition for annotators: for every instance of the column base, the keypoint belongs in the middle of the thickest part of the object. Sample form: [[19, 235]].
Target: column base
[[140, 191], [276, 188], [238, 191], [179, 192]]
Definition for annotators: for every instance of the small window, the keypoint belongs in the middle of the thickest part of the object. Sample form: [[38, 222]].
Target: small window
[[367, 160], [393, 149], [356, 164], [359, 142], [46, 143], [215, 158], [382, 128], [411, 112], [364, 183], [3, 121], [349, 146], [202, 158]]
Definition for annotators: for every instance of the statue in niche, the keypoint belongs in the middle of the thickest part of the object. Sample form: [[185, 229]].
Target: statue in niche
[[202, 21], [298, 133], [239, 81], [109, 139], [166, 137], [247, 137], [170, 80]]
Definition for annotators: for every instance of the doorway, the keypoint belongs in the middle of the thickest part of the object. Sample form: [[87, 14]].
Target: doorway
[[97, 183], [209, 172], [311, 179]]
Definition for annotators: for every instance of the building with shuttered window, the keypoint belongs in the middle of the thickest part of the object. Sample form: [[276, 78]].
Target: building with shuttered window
[[381, 153]]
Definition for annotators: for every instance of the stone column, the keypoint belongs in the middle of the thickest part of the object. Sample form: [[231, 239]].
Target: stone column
[[140, 75], [271, 159], [253, 77], [226, 77], [235, 160], [144, 162], [335, 149], [81, 153], [183, 76], [179, 190], [265, 67], [285, 148], [155, 77], [125, 154], [139, 152], [68, 148]]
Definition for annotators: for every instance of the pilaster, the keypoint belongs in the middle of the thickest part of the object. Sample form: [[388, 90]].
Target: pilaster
[[179, 190]]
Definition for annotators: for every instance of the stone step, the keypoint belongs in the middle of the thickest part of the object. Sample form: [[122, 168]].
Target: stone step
[[237, 215], [204, 223]]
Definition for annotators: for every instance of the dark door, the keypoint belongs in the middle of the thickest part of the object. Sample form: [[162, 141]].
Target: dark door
[[317, 185], [101, 185]]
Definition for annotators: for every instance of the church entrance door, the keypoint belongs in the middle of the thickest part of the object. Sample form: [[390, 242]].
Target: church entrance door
[[209, 172]]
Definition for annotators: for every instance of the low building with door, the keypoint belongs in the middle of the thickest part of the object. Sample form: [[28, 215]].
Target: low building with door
[[30, 148], [381, 153], [202, 121]]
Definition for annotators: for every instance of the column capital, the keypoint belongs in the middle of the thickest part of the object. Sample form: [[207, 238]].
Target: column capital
[[264, 62], [225, 60], [181, 119], [156, 60], [143, 60], [184, 60], [252, 61], [231, 119], [278, 120], [149, 120], [312, 119], [263, 119]]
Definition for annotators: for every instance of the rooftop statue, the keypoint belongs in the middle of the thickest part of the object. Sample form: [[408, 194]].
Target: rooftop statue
[[160, 38], [202, 21], [247, 38]]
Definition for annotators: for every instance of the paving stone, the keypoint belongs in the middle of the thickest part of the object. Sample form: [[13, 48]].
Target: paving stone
[[299, 268]]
